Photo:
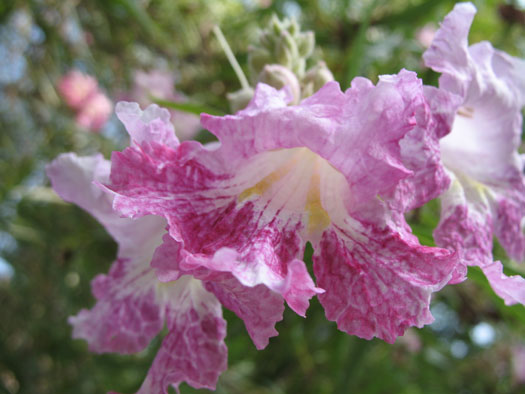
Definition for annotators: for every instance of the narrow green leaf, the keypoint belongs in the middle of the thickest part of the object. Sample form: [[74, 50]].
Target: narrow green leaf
[[191, 108], [141, 17]]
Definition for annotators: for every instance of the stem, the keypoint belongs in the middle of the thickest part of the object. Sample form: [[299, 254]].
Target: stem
[[231, 57]]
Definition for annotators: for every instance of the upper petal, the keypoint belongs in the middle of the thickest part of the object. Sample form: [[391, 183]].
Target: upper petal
[[448, 52], [76, 179]]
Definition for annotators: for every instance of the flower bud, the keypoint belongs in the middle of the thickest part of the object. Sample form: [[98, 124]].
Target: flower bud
[[257, 59], [239, 99], [282, 42], [306, 44], [316, 78]]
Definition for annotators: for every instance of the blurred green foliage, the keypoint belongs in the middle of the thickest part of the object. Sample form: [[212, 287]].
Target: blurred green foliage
[[56, 249]]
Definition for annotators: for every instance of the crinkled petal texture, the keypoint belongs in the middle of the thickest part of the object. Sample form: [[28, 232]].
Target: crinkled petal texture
[[193, 350], [323, 171], [378, 282], [487, 195], [420, 150], [132, 305]]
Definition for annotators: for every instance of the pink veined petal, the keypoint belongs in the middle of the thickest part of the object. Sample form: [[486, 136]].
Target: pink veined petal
[[510, 288], [421, 151], [509, 222], [75, 179], [465, 225], [378, 284], [256, 305], [262, 259], [126, 316], [193, 351]]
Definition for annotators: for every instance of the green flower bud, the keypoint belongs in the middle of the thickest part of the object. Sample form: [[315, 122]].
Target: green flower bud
[[281, 42], [257, 59], [239, 99], [315, 78], [306, 44]]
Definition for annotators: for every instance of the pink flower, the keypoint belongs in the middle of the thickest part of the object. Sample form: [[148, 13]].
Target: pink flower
[[334, 170], [132, 305], [81, 93], [426, 34], [161, 85], [95, 113], [487, 193], [76, 88]]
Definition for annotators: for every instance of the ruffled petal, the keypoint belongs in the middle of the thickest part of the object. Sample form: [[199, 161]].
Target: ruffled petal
[[511, 70], [509, 222], [488, 124], [448, 52], [377, 283], [132, 305], [151, 125], [126, 316], [466, 222], [421, 152], [259, 307], [76, 179], [193, 351]]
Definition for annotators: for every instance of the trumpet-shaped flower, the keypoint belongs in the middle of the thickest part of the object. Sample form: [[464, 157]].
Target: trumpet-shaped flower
[[132, 305], [487, 193], [335, 170]]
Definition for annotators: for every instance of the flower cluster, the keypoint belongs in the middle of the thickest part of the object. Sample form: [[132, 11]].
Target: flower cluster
[[226, 224], [81, 93]]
